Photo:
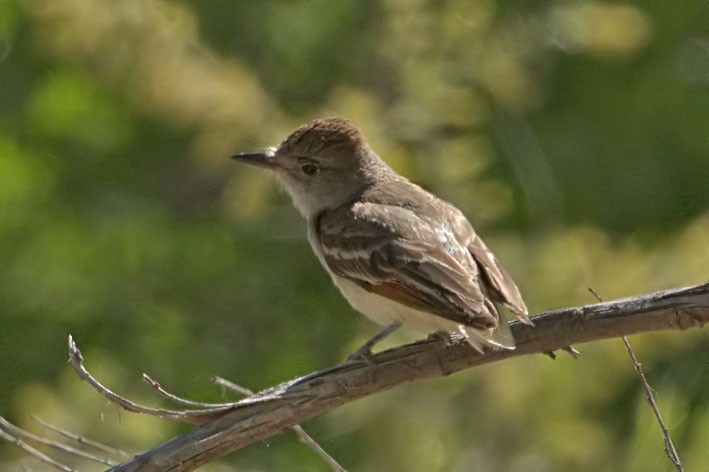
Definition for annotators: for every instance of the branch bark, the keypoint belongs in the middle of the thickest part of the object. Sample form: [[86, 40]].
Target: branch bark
[[270, 411]]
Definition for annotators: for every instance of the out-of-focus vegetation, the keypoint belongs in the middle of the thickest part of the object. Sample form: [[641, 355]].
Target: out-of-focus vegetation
[[574, 134]]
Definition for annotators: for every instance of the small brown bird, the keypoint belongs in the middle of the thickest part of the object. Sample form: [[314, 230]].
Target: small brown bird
[[399, 255]]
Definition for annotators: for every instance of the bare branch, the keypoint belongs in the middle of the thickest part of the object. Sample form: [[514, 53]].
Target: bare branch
[[270, 411]]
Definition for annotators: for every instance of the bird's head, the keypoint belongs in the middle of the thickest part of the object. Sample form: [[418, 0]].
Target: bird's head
[[322, 164]]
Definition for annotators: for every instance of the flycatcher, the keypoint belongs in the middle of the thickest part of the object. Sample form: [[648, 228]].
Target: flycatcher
[[398, 254]]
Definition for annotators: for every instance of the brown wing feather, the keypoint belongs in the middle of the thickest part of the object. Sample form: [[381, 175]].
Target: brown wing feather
[[392, 252], [500, 286]]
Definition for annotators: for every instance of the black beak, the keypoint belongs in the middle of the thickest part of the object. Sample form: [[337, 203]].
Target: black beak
[[262, 159]]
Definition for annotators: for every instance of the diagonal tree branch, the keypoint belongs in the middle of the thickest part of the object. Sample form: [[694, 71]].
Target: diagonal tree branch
[[270, 411]]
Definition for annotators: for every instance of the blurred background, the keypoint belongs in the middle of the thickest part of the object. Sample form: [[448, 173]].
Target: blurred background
[[574, 134]]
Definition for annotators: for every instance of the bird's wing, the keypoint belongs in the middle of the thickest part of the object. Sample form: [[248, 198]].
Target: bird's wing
[[390, 251], [498, 282]]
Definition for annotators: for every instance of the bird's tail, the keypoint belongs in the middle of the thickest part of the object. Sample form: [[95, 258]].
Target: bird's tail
[[499, 337]]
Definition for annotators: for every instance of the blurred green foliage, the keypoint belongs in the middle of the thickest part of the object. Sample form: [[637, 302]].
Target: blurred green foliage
[[574, 134]]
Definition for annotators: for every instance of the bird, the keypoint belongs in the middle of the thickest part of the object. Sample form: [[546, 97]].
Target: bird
[[400, 255]]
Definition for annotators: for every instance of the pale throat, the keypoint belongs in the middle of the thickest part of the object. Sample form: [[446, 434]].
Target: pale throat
[[310, 203], [306, 204]]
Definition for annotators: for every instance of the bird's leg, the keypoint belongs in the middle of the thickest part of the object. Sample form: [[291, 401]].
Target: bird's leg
[[364, 352]]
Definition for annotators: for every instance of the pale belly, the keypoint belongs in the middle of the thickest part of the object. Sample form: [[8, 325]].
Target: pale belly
[[385, 311]]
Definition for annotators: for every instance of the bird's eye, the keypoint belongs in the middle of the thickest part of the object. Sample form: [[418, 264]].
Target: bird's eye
[[309, 168]]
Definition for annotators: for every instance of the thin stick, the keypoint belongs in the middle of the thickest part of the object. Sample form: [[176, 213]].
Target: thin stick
[[81, 439], [42, 457], [19, 432], [180, 400], [304, 437], [231, 386], [669, 445], [670, 450]]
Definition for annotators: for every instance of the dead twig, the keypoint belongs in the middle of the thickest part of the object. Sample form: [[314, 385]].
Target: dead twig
[[208, 409]]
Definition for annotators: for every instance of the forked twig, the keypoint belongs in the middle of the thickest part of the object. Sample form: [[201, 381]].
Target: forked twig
[[670, 450], [207, 411], [187, 416]]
